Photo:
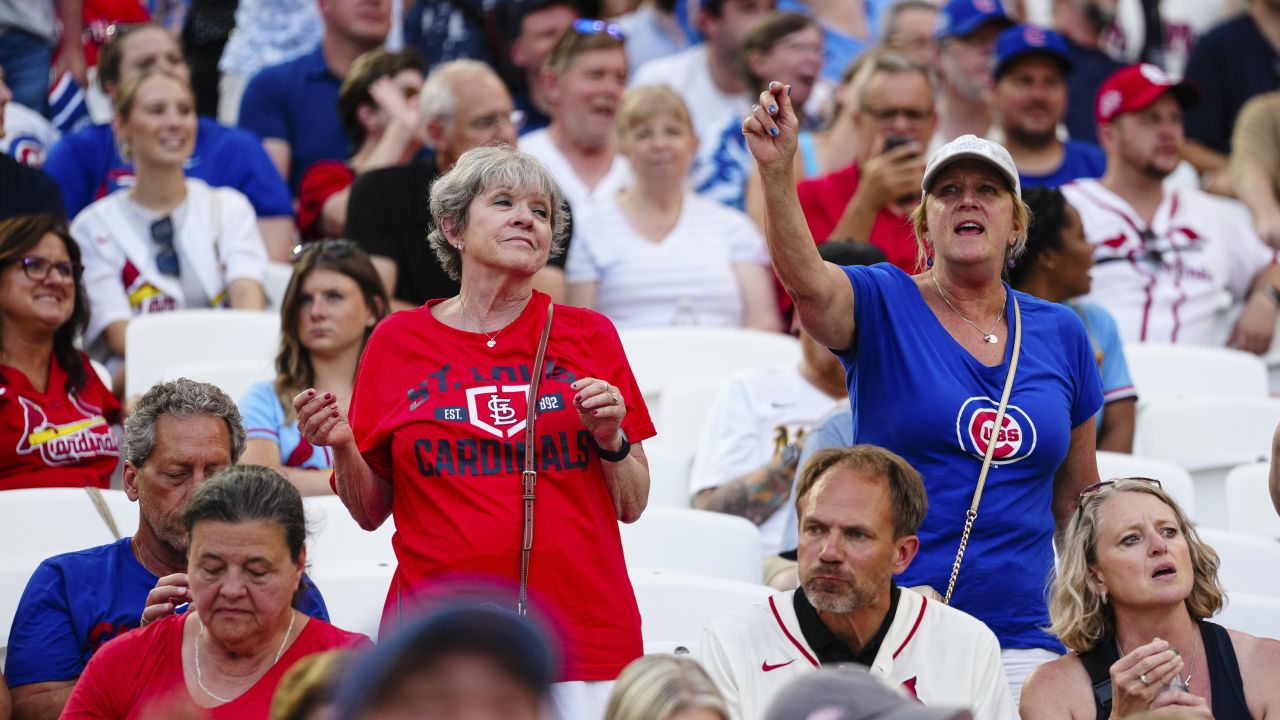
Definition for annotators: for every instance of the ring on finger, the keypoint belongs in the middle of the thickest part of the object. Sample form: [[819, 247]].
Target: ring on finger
[[1143, 679], [613, 398]]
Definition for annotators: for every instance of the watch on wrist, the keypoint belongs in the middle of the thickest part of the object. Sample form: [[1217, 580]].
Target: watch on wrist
[[614, 456]]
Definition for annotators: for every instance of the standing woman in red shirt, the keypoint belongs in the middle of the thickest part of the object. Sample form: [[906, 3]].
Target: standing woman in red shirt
[[436, 435], [55, 413]]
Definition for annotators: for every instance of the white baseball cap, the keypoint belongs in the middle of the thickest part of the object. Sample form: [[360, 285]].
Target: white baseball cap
[[971, 147]]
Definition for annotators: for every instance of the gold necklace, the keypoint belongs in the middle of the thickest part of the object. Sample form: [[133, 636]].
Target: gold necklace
[[987, 335]]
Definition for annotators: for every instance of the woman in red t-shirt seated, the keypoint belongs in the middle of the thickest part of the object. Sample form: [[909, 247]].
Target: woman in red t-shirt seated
[[225, 659], [379, 112], [55, 413], [438, 415]]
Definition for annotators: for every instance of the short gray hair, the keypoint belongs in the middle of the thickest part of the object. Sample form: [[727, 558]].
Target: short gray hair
[[476, 172], [892, 62], [436, 100], [180, 398]]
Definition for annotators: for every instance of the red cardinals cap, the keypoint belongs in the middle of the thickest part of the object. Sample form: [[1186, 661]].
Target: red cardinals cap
[[1137, 86]]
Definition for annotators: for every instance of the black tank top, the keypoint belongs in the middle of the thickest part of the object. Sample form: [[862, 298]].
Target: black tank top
[[1224, 673]]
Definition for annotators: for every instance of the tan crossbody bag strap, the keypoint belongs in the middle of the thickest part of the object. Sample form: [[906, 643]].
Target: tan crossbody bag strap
[[972, 514], [530, 475], [100, 504]]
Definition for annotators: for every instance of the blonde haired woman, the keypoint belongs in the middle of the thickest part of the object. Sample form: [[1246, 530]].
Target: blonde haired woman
[[168, 242], [659, 254], [1134, 587], [665, 687]]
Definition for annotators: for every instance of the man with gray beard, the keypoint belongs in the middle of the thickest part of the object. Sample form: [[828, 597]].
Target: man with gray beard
[[859, 509]]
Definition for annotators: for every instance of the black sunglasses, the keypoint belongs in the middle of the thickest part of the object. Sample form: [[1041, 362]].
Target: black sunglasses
[[331, 248], [166, 255]]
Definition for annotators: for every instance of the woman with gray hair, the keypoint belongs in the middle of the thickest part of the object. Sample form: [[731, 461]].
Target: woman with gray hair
[[990, 393], [1134, 589], [460, 404], [227, 656]]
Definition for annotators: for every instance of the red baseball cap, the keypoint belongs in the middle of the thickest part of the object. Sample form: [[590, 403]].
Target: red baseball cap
[[1137, 86]]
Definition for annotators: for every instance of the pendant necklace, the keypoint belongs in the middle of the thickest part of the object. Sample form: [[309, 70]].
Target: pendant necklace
[[987, 335]]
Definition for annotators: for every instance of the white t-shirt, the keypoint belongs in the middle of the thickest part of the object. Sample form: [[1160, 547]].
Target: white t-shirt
[[1178, 285], [756, 413], [581, 198], [686, 279], [686, 73]]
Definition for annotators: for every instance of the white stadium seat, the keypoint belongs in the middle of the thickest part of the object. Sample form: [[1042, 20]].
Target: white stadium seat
[[662, 355], [676, 607], [49, 521], [354, 593], [278, 277], [1189, 370], [679, 412], [1249, 564], [1174, 480], [696, 541], [1255, 614], [1249, 506], [668, 476], [162, 346], [1208, 437], [335, 538]]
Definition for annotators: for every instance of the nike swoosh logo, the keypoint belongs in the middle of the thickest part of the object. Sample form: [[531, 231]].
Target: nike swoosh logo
[[765, 666]]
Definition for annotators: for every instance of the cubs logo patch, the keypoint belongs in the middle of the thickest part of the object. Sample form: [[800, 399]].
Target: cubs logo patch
[[499, 410], [986, 6], [975, 430]]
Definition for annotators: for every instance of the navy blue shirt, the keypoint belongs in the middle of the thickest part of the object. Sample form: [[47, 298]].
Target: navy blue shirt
[[88, 167], [25, 190], [1086, 76], [1080, 160], [296, 101], [74, 603], [1230, 64], [454, 30], [914, 390]]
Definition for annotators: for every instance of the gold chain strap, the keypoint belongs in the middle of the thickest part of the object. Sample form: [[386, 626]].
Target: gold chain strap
[[972, 513]]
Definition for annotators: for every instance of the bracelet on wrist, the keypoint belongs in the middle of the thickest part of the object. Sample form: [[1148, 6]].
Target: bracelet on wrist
[[614, 456]]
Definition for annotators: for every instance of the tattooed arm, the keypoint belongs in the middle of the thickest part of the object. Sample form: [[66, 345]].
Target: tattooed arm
[[756, 495]]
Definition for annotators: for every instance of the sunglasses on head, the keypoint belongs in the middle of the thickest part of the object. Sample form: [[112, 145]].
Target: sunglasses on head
[[1098, 487], [330, 248], [585, 26]]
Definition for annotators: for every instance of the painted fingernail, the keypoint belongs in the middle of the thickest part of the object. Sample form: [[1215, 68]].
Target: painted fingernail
[[311, 393], [328, 396], [773, 132], [773, 109]]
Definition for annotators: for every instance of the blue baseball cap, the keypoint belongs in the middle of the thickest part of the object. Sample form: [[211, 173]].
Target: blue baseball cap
[[1022, 40], [961, 17]]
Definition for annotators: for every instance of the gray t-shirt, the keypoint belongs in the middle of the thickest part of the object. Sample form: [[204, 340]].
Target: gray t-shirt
[[33, 16]]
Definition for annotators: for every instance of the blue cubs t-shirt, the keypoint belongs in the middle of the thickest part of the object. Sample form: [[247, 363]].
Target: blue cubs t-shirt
[[1079, 160], [74, 603], [88, 167], [917, 392]]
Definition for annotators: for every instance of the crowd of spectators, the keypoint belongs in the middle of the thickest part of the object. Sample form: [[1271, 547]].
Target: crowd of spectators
[[456, 187]]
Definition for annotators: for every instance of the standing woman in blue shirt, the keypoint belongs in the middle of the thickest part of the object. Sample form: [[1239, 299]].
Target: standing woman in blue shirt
[[927, 359]]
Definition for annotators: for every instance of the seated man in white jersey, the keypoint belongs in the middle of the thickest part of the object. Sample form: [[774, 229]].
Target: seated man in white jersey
[[860, 509], [1169, 265]]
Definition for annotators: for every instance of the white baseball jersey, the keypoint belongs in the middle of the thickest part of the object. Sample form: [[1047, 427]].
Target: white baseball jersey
[[1175, 280], [934, 653], [754, 415]]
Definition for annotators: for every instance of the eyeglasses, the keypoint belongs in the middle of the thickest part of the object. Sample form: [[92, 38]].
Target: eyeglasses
[[584, 26], [885, 116], [167, 255], [37, 269], [491, 122], [1098, 487], [336, 249]]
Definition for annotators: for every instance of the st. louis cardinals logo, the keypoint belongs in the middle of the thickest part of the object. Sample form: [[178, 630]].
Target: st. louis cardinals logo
[[499, 410], [976, 428], [68, 442]]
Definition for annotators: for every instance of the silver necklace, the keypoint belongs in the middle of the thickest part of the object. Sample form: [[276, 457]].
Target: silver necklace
[[987, 335], [493, 339], [200, 676]]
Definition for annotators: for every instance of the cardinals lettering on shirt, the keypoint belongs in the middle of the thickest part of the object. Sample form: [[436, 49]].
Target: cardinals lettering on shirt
[[65, 443]]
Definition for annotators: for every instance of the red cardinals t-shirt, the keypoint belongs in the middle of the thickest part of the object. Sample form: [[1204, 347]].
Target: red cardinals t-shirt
[[441, 415], [56, 438]]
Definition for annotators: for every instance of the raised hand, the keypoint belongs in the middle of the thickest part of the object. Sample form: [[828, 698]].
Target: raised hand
[[320, 421], [1141, 675], [772, 129], [601, 409]]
